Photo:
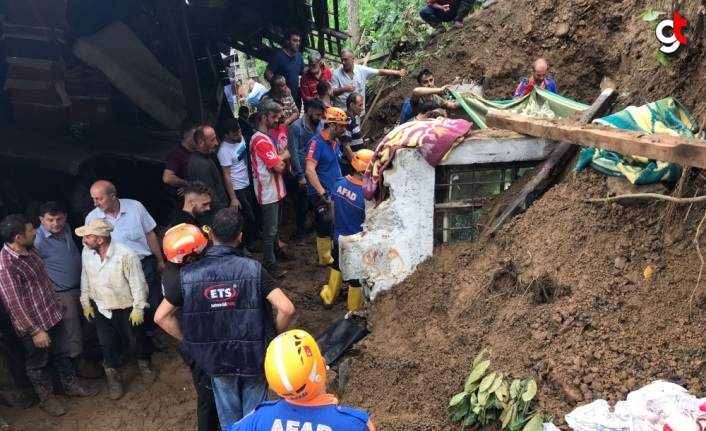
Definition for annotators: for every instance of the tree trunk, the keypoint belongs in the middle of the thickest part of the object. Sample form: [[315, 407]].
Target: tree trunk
[[353, 22]]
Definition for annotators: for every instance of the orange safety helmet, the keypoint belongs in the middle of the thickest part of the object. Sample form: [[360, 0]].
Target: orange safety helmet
[[361, 159], [294, 367], [182, 240], [335, 116]]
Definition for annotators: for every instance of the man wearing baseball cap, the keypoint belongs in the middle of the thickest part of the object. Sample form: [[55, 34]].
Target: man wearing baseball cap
[[114, 293]]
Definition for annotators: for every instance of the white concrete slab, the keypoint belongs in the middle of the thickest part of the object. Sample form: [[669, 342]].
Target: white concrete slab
[[479, 150]]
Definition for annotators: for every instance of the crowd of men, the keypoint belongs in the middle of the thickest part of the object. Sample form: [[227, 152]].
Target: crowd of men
[[303, 140]]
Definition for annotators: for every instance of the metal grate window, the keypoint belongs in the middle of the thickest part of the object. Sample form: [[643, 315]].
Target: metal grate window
[[463, 190]]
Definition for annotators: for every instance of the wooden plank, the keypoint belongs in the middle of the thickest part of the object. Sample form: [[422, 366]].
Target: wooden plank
[[685, 151], [545, 173]]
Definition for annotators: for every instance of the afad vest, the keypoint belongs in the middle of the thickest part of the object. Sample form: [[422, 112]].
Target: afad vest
[[281, 415], [227, 324]]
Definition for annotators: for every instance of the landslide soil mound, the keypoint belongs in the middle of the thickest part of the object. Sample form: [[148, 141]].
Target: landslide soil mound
[[559, 294], [583, 40]]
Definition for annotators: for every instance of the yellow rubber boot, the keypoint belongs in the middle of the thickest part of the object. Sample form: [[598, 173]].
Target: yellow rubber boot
[[330, 291], [323, 248], [355, 297]]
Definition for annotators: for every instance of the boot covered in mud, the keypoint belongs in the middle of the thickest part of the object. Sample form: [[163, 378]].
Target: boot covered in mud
[[323, 249], [47, 400], [463, 11], [149, 374], [115, 386], [330, 291], [73, 389], [437, 25]]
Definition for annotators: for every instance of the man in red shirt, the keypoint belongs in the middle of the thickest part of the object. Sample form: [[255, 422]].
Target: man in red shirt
[[36, 313], [178, 159], [268, 165], [317, 72], [437, 12]]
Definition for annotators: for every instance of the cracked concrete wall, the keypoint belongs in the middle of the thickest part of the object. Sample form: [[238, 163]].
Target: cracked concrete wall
[[397, 235]]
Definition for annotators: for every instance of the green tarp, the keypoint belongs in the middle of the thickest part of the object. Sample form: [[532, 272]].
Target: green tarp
[[665, 117], [539, 103]]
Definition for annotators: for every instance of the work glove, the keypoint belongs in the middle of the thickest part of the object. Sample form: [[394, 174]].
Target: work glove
[[88, 313], [136, 318]]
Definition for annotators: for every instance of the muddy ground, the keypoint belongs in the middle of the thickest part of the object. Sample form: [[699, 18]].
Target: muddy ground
[[558, 293]]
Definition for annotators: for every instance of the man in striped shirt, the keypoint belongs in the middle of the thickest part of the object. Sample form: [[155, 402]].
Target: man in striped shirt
[[36, 312], [268, 167]]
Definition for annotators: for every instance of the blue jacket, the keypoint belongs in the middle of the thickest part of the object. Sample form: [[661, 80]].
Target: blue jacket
[[269, 414], [227, 322]]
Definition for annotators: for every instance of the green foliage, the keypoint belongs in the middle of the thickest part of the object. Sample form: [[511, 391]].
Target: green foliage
[[382, 23], [662, 58], [650, 15], [488, 400]]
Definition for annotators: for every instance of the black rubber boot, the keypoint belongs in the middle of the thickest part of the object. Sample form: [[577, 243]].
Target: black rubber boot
[[437, 25], [463, 11], [73, 389]]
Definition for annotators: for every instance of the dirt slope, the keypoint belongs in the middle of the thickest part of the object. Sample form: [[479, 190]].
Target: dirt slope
[[559, 294]]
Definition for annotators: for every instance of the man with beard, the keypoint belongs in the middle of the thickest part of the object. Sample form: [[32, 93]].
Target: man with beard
[[197, 203], [268, 176], [322, 171], [202, 167], [35, 311]]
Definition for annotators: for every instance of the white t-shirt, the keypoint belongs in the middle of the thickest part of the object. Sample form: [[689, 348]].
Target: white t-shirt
[[361, 74], [234, 154]]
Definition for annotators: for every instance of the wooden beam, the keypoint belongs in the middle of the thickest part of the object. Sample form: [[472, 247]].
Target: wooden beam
[[685, 151], [547, 171]]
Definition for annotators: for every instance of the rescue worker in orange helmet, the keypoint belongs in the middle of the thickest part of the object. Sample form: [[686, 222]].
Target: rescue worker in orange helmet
[[322, 171], [295, 370], [349, 215]]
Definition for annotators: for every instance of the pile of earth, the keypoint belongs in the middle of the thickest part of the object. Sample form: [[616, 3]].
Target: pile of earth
[[559, 294]]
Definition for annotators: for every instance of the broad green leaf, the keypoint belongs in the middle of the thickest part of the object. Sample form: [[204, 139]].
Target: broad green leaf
[[515, 388], [457, 416], [519, 423], [457, 398], [530, 392], [477, 372], [496, 383], [487, 382], [470, 419], [662, 58], [534, 424], [479, 356], [471, 387], [650, 15], [502, 392], [465, 407], [483, 398]]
